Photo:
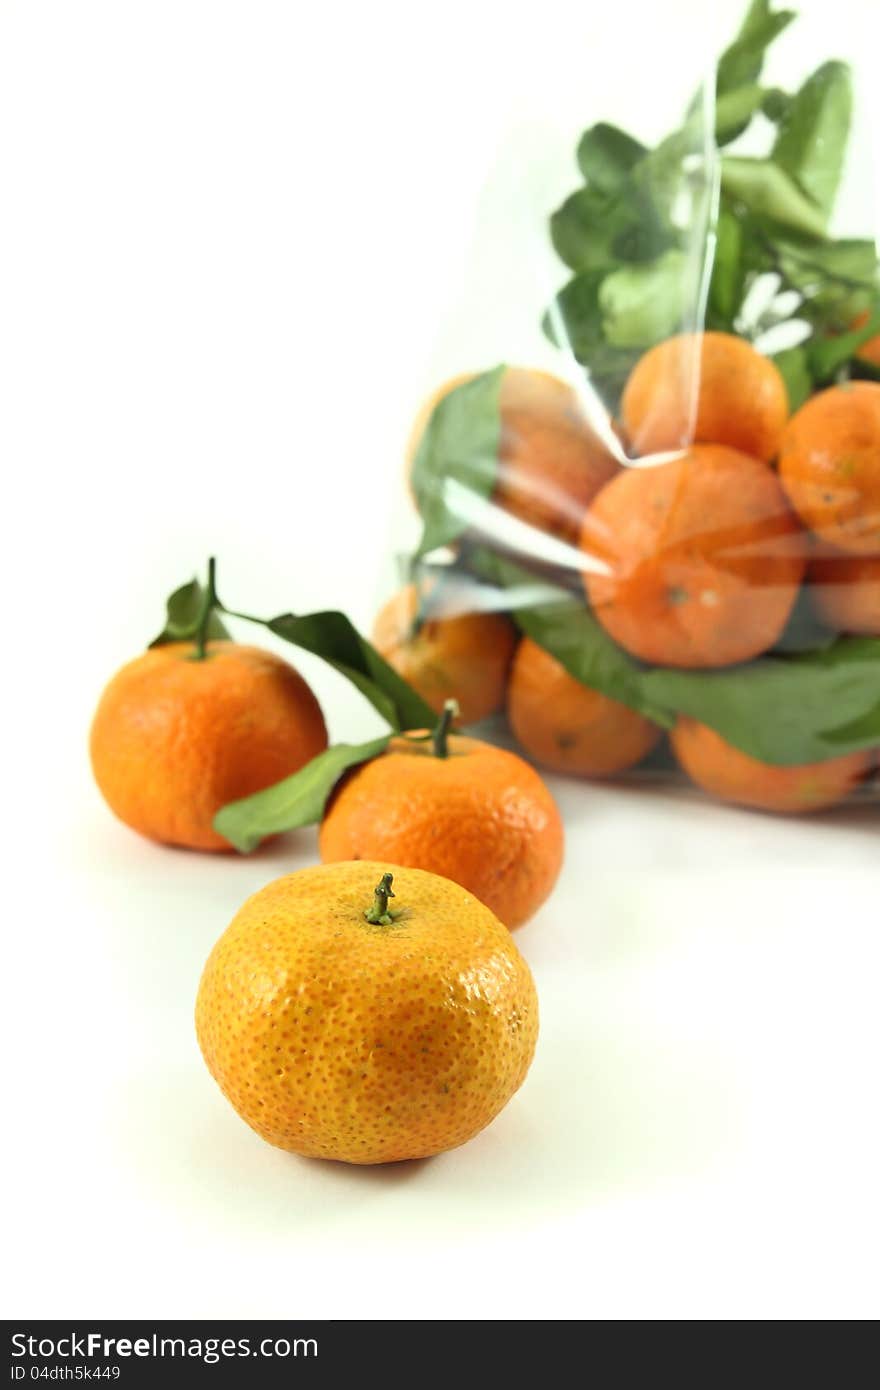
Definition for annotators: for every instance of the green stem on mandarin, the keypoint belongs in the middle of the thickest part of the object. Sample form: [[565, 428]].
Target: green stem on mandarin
[[209, 603], [442, 729], [377, 912]]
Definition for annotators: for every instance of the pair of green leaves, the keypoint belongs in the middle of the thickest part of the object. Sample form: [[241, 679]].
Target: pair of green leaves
[[329, 635], [786, 707], [300, 799], [185, 611]]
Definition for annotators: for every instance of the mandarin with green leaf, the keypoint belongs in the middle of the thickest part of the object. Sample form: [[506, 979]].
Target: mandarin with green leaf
[[551, 462], [728, 773]]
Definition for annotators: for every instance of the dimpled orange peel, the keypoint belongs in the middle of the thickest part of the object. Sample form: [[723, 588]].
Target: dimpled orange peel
[[180, 732], [347, 1019], [455, 806]]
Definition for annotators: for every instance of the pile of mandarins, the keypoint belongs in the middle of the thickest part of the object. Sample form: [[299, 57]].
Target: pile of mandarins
[[694, 545], [375, 1008]]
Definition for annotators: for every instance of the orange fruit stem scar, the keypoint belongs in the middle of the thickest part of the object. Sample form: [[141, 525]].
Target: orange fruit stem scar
[[378, 912]]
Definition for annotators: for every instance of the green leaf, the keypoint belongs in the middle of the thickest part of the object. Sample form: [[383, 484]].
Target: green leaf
[[334, 638], [574, 323], [769, 191], [296, 801], [664, 173], [775, 104], [731, 111], [726, 286], [805, 264], [741, 63], [828, 355], [812, 137], [863, 369], [606, 154], [642, 304], [804, 631], [660, 177], [785, 710], [734, 110], [458, 452], [836, 278], [593, 231], [183, 614], [579, 231], [794, 365]]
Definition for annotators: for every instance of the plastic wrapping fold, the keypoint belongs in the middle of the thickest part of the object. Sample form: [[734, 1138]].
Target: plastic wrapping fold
[[655, 548]]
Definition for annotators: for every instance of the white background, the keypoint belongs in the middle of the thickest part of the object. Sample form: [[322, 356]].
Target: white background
[[238, 241]]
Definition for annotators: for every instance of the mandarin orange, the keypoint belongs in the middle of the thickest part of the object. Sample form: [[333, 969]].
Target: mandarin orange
[[454, 806], [174, 738], [845, 589], [346, 1018], [694, 562], [829, 465], [568, 727], [726, 772], [551, 462], [463, 656], [705, 388]]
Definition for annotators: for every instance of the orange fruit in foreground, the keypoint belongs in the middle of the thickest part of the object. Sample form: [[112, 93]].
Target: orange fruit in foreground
[[369, 1041], [460, 656], [568, 727], [845, 589], [175, 738], [478, 815], [705, 388], [695, 562], [551, 463], [725, 772], [830, 465]]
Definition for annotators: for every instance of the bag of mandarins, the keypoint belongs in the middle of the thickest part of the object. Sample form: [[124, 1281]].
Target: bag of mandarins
[[651, 539]]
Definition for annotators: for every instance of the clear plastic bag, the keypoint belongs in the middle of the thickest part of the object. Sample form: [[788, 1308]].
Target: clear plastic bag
[[653, 545]]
